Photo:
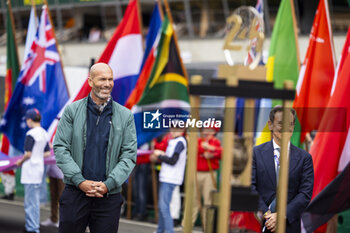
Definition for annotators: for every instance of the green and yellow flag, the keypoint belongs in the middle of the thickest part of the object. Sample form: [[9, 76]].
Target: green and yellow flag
[[283, 60], [166, 91], [167, 80], [12, 67]]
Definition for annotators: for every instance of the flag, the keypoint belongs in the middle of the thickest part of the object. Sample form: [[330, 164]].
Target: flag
[[32, 27], [316, 74], [282, 63], [40, 85], [31, 31], [166, 91], [12, 68], [148, 60], [123, 54], [248, 60], [283, 60], [259, 28], [153, 33], [12, 63], [345, 155], [333, 199], [330, 149]]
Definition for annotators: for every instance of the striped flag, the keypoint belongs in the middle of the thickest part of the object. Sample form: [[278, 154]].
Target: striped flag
[[166, 91], [123, 54], [148, 58]]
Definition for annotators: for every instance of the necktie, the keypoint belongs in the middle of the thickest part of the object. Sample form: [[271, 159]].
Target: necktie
[[277, 160]]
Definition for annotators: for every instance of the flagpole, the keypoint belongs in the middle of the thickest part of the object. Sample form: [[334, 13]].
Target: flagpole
[[160, 7], [295, 31], [57, 45], [34, 8], [13, 28], [167, 9], [330, 31], [138, 5]]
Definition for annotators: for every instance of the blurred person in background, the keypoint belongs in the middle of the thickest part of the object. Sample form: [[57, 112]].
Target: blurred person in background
[[171, 174], [140, 189], [208, 162], [36, 147], [8, 180], [161, 143], [56, 188]]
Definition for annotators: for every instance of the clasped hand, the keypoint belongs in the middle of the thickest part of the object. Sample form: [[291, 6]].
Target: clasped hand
[[271, 220], [93, 188]]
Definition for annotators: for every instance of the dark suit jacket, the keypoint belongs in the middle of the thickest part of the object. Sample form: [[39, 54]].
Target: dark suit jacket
[[300, 183]]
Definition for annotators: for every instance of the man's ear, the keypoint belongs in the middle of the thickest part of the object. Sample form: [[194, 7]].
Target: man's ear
[[270, 125], [90, 81]]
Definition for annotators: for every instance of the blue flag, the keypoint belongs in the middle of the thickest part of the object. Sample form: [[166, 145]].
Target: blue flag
[[153, 33], [40, 85]]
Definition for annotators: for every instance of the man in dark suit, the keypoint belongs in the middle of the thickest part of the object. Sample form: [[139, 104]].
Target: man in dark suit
[[264, 179]]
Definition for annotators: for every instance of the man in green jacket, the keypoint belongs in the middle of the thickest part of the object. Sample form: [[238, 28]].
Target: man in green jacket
[[95, 147]]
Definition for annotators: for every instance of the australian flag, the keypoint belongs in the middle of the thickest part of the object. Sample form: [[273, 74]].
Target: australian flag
[[40, 85]]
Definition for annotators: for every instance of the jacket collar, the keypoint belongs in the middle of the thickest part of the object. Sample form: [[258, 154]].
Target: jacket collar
[[267, 154], [268, 160]]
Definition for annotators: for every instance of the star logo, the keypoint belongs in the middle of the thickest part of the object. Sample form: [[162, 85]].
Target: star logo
[[151, 120], [156, 115]]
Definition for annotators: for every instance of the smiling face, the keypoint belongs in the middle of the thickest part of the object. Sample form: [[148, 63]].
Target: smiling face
[[101, 82], [276, 127]]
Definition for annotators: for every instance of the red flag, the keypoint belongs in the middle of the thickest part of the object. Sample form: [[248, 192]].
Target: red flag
[[330, 140], [345, 155], [130, 25], [123, 53], [333, 199], [316, 74]]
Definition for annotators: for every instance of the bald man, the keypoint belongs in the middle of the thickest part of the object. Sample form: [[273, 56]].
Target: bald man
[[95, 147]]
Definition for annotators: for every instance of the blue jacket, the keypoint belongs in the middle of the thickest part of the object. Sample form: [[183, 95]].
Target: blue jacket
[[300, 182]]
